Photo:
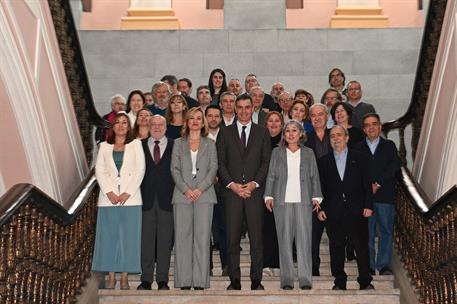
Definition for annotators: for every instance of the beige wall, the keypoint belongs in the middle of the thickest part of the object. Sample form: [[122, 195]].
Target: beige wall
[[192, 14], [435, 166], [41, 143]]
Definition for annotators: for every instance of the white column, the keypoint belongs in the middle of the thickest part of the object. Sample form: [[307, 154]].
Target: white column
[[150, 3]]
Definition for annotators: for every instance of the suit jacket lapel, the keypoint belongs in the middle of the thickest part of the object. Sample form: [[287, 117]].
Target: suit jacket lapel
[[251, 138], [236, 137], [349, 165], [201, 149]]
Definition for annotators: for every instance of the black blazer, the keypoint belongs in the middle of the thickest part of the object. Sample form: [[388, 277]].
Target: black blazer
[[385, 164], [157, 179], [354, 190], [311, 141], [250, 165]]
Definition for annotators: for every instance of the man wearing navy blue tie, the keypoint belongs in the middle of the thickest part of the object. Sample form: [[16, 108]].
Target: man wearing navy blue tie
[[244, 150]]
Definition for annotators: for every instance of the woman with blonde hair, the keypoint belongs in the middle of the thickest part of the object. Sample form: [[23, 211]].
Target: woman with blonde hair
[[193, 167]]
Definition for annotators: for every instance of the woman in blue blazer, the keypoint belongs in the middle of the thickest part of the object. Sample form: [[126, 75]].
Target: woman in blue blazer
[[193, 167]]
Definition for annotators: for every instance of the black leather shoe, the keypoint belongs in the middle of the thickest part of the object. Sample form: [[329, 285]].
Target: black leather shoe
[[234, 285], [367, 287], [372, 272], [287, 287], [185, 288], [351, 258], [145, 285], [256, 285], [336, 287], [163, 286], [385, 271], [198, 288], [305, 287], [225, 271]]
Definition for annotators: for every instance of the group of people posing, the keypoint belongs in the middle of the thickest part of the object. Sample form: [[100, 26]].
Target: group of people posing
[[173, 170]]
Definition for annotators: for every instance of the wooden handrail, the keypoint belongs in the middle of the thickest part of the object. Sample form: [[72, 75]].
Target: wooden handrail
[[45, 249]]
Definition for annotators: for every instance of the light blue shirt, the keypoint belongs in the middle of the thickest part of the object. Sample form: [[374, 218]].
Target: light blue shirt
[[373, 144], [340, 160]]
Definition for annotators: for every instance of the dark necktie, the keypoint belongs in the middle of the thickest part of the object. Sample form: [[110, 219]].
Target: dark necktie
[[156, 152], [243, 137]]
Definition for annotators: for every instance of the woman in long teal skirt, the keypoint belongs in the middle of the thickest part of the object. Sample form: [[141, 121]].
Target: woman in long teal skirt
[[119, 170]]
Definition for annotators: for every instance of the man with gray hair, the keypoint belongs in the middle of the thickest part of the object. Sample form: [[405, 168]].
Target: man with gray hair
[[161, 94], [359, 108], [347, 205], [157, 216], [235, 87], [268, 101], [319, 142], [258, 114]]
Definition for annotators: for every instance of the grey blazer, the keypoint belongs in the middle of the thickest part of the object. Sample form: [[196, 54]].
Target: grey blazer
[[277, 176], [181, 170]]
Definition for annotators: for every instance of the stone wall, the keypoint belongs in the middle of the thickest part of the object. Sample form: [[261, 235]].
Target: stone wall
[[383, 60]]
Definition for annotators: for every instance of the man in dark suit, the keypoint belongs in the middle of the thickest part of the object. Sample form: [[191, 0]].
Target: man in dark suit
[[385, 163], [346, 187], [244, 150], [157, 221], [319, 142]]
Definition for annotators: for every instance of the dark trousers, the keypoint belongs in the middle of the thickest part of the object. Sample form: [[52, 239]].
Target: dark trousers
[[318, 230], [156, 243], [252, 207], [270, 240], [356, 227], [219, 231]]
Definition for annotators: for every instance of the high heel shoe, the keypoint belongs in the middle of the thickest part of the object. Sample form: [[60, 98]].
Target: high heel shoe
[[111, 284], [125, 282]]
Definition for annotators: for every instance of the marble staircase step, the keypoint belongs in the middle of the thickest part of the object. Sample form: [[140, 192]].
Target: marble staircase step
[[384, 296]]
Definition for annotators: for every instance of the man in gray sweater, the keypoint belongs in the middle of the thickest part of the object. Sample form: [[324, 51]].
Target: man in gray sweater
[[359, 108]]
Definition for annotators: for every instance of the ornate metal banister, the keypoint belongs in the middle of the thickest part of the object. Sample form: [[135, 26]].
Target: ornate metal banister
[[46, 250], [426, 239], [425, 231]]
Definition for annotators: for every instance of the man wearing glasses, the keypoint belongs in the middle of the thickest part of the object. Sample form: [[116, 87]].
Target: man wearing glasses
[[359, 108]]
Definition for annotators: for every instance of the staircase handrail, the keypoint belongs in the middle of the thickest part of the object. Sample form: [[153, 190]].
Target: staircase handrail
[[46, 249]]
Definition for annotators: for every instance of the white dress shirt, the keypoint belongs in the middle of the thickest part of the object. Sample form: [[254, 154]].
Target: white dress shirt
[[293, 192]]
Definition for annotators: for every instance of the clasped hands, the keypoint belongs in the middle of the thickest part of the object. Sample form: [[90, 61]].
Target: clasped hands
[[243, 190], [322, 216], [193, 195], [117, 199]]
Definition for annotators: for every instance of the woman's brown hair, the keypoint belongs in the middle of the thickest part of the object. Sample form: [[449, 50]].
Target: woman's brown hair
[[111, 137]]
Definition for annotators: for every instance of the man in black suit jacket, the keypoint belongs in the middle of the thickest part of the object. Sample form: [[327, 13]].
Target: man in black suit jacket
[[346, 187], [157, 221], [385, 163], [244, 150]]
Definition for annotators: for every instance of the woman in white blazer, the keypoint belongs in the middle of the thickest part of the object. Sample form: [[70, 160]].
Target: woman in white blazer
[[193, 167], [293, 191], [119, 170]]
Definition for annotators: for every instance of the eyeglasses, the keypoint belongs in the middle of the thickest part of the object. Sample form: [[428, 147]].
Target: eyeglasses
[[354, 90]]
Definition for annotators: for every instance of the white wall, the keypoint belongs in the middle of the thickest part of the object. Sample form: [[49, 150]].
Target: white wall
[[435, 166], [40, 142]]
